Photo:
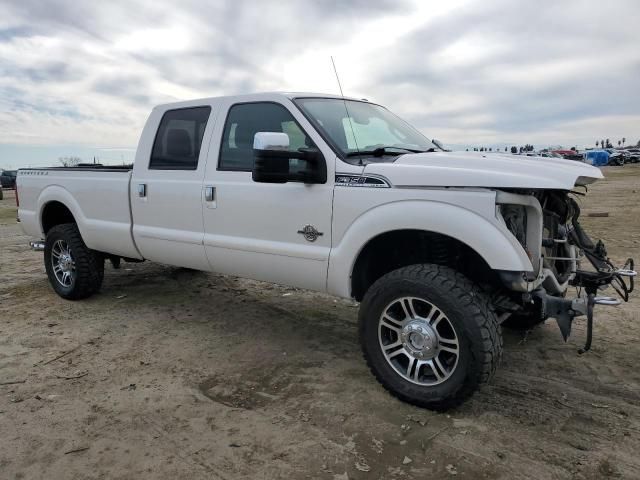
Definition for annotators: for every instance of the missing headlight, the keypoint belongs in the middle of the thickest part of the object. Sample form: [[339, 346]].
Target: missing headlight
[[515, 217]]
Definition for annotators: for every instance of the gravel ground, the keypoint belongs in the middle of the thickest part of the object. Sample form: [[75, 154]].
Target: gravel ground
[[171, 374]]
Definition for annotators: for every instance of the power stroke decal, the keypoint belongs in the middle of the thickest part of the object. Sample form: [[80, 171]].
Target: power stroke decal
[[351, 180]]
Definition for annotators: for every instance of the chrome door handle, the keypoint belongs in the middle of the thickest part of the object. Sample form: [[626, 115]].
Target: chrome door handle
[[142, 190], [209, 193]]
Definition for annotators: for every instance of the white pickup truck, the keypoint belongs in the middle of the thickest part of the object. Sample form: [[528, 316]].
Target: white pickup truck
[[340, 196]]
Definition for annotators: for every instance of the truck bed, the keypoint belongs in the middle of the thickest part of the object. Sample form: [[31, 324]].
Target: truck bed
[[97, 196]]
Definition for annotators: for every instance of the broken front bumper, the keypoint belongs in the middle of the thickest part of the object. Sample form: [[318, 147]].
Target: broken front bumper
[[589, 282]]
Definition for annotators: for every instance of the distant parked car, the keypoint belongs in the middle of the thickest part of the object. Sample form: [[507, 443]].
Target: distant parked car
[[8, 178], [550, 155], [633, 155], [617, 157], [569, 154]]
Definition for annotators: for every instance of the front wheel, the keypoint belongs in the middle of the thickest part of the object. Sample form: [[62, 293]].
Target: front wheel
[[429, 335], [74, 270]]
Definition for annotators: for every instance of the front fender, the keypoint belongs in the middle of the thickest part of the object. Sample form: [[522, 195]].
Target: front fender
[[487, 237]]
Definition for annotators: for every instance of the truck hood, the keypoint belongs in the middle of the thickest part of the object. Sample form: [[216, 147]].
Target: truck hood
[[475, 169]]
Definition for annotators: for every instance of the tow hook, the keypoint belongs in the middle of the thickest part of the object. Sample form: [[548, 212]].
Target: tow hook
[[605, 275], [591, 302], [610, 301], [565, 310]]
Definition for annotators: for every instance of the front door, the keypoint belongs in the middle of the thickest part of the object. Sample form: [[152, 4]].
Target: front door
[[166, 190], [278, 233]]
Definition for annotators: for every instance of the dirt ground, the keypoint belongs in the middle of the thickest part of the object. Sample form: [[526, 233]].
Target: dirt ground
[[173, 374]]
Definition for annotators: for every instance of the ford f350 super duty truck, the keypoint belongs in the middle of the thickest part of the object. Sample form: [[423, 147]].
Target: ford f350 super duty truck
[[340, 196]]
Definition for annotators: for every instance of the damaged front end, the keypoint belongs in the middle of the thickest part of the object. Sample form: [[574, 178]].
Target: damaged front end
[[546, 225]]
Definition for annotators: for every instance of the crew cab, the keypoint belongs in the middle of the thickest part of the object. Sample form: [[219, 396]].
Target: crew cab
[[341, 196]]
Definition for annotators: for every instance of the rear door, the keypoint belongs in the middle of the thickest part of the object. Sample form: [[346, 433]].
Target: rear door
[[166, 188]]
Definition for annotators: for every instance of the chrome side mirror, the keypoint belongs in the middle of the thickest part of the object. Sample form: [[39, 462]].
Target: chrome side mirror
[[271, 141]]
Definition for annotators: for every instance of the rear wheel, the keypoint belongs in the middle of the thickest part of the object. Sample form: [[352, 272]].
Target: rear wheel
[[74, 270], [429, 336]]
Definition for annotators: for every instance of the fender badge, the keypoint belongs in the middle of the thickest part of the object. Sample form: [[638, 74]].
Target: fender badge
[[310, 233]]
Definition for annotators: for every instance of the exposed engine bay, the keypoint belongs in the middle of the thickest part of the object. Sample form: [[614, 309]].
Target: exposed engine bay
[[546, 223]]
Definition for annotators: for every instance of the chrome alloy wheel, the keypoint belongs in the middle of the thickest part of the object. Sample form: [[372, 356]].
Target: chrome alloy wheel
[[418, 341], [63, 264]]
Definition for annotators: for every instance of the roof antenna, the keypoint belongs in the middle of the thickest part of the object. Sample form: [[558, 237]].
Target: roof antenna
[[347, 110]]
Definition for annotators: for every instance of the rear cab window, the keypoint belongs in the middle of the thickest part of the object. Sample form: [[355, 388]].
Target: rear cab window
[[179, 138]]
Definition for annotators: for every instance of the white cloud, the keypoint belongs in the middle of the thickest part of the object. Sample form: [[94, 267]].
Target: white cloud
[[463, 71]]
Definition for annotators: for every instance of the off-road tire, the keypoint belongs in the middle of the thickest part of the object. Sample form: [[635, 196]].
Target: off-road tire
[[469, 312], [89, 265]]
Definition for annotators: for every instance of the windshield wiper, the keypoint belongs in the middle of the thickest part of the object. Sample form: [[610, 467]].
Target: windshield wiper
[[380, 151]]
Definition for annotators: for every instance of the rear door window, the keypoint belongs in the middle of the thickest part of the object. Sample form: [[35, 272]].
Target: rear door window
[[179, 138]]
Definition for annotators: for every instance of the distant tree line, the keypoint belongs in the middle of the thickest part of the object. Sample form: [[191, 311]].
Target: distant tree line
[[69, 161], [514, 149], [73, 161], [605, 143], [608, 144]]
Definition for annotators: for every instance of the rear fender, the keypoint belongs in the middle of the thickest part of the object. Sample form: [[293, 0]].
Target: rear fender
[[56, 193]]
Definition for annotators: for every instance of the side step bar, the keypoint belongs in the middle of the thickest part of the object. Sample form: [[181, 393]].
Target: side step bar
[[38, 246]]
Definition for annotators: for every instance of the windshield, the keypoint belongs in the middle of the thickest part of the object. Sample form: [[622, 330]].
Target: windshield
[[369, 131]]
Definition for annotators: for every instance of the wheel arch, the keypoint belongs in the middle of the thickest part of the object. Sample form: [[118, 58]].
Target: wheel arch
[[55, 213], [57, 206], [490, 244], [395, 249]]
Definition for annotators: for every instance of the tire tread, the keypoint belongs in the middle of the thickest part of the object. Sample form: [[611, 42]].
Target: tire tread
[[488, 354], [89, 265]]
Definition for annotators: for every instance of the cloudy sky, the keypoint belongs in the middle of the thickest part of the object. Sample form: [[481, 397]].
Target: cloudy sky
[[79, 78]]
